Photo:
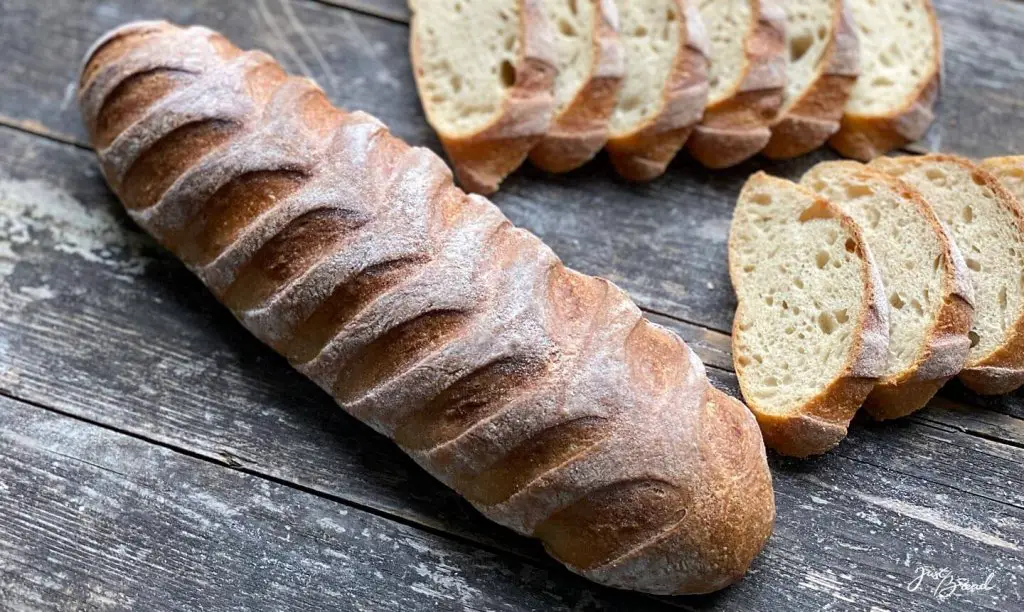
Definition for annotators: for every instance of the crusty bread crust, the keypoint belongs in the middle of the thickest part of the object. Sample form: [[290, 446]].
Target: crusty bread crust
[[484, 158], [866, 137], [645, 153], [579, 132], [540, 394], [736, 128], [808, 123], [821, 423], [946, 345], [1002, 371]]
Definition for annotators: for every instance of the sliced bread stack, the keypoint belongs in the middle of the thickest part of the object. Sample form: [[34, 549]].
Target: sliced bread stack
[[811, 329], [987, 223], [926, 282]]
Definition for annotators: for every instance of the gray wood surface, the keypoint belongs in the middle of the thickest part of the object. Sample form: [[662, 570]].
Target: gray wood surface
[[111, 353]]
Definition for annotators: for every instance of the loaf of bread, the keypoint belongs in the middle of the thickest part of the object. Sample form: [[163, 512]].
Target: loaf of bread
[[747, 80], [538, 393], [485, 70]]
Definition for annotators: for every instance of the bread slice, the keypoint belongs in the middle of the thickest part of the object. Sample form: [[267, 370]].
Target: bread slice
[[987, 224], [747, 80], [930, 293], [811, 332], [901, 64], [591, 65], [485, 71], [823, 67], [666, 85]]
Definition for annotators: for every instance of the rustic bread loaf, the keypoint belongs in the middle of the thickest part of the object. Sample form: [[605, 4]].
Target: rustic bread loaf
[[747, 80], [987, 223], [823, 67], [591, 64], [540, 394], [901, 63], [926, 280], [811, 332], [666, 86], [485, 72]]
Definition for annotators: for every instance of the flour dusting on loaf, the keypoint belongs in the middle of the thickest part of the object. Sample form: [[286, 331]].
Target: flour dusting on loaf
[[540, 394]]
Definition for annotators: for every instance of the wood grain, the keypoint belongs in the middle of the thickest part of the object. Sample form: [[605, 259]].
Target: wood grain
[[663, 242], [100, 324]]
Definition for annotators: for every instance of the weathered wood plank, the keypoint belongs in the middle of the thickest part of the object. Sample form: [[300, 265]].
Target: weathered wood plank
[[97, 520], [663, 242], [97, 322]]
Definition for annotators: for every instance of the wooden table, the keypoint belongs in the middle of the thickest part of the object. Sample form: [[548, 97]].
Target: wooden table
[[153, 455]]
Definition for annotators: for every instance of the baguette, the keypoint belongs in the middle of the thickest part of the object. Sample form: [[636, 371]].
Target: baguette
[[591, 67], [485, 72], [748, 79], [538, 393]]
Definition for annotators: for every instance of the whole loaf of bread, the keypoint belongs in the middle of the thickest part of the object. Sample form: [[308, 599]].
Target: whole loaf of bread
[[538, 393]]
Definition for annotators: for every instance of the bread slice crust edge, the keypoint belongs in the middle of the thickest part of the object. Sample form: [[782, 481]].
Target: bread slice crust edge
[[579, 132], [821, 423], [644, 154], [736, 128], [485, 157], [865, 137], [815, 117]]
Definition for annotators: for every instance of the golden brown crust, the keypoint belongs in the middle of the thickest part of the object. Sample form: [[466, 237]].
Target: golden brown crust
[[809, 122], [540, 394], [579, 132], [482, 160], [645, 153], [866, 137], [736, 127], [821, 423]]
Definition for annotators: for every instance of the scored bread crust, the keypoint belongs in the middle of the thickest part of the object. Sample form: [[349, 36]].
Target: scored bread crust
[[811, 120], [944, 351], [1002, 371], [485, 157], [579, 132], [736, 127], [644, 153], [822, 422], [866, 137], [540, 394]]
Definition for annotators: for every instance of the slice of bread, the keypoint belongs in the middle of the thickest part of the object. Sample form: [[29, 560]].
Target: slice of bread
[[822, 69], [591, 65], [987, 224], [747, 80], [926, 280], [901, 64], [811, 332], [485, 71], [666, 86]]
